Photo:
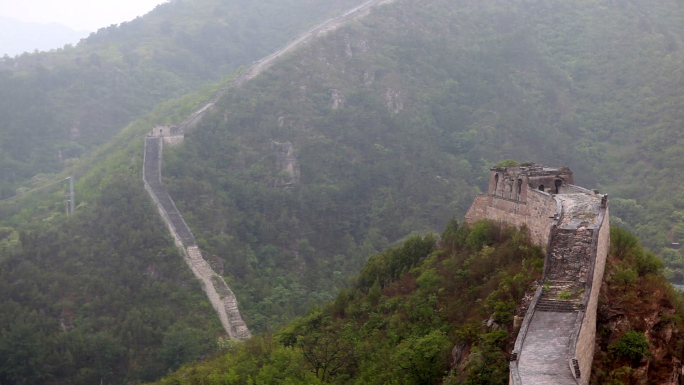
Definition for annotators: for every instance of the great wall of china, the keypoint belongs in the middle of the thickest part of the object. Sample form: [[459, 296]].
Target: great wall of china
[[221, 297], [555, 344]]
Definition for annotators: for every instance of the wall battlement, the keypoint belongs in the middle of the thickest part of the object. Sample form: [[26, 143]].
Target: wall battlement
[[555, 344]]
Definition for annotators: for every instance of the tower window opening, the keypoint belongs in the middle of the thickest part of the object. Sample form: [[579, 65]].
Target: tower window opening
[[496, 183], [541, 187], [558, 183]]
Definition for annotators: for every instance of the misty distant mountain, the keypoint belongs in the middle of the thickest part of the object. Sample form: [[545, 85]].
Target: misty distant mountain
[[17, 37]]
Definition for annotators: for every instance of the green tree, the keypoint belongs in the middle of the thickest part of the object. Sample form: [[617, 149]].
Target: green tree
[[632, 346]]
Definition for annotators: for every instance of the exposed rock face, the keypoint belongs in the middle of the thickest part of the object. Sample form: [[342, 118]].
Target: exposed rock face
[[394, 101], [368, 77], [286, 163], [347, 46], [66, 320], [74, 132], [337, 100]]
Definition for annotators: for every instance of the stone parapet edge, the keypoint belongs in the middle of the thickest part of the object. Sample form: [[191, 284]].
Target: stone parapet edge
[[588, 287], [176, 238], [522, 333]]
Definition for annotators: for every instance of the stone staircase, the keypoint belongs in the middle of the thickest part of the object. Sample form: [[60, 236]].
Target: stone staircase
[[569, 251], [561, 297], [221, 297]]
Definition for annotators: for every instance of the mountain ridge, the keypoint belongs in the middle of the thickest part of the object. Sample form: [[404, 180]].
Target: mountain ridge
[[18, 36]]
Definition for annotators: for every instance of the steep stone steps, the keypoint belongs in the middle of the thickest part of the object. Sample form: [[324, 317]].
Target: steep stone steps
[[555, 305], [569, 255]]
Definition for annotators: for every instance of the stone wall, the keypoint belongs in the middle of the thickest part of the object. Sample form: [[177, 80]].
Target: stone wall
[[584, 350], [537, 214], [219, 294], [153, 184]]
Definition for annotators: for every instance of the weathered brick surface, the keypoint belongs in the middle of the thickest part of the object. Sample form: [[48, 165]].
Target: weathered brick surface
[[569, 255], [478, 209], [586, 339], [537, 213], [544, 357]]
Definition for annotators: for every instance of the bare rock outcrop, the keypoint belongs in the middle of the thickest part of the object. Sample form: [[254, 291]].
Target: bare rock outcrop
[[337, 100], [286, 164]]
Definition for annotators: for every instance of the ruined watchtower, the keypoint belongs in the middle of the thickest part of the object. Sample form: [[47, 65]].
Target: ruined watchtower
[[171, 135], [522, 196], [555, 345]]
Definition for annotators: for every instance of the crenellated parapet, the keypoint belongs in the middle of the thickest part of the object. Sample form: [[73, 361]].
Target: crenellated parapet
[[555, 344]]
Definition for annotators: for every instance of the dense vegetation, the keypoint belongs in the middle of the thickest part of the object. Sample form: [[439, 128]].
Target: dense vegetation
[[394, 125], [102, 297], [640, 319], [400, 320], [416, 315], [55, 106]]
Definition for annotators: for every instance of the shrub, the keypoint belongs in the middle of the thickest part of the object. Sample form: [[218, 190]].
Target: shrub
[[480, 235], [623, 244], [624, 277], [648, 263], [632, 346], [507, 163]]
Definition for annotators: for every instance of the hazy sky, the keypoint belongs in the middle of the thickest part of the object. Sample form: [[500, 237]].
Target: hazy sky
[[87, 15]]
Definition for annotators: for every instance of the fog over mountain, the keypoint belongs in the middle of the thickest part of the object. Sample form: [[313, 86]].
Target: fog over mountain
[[17, 37], [326, 144]]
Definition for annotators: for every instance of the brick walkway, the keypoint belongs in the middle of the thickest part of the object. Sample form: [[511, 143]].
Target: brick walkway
[[544, 356]]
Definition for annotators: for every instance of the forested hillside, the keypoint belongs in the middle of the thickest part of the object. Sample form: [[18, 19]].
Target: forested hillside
[[380, 129], [398, 322], [445, 313], [102, 297], [394, 121], [55, 106]]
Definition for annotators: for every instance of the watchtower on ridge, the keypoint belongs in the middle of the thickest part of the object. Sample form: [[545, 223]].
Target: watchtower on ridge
[[512, 183], [171, 135], [555, 345]]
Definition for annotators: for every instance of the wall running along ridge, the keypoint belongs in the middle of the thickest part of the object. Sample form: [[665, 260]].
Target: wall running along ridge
[[221, 297], [261, 65], [555, 344]]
